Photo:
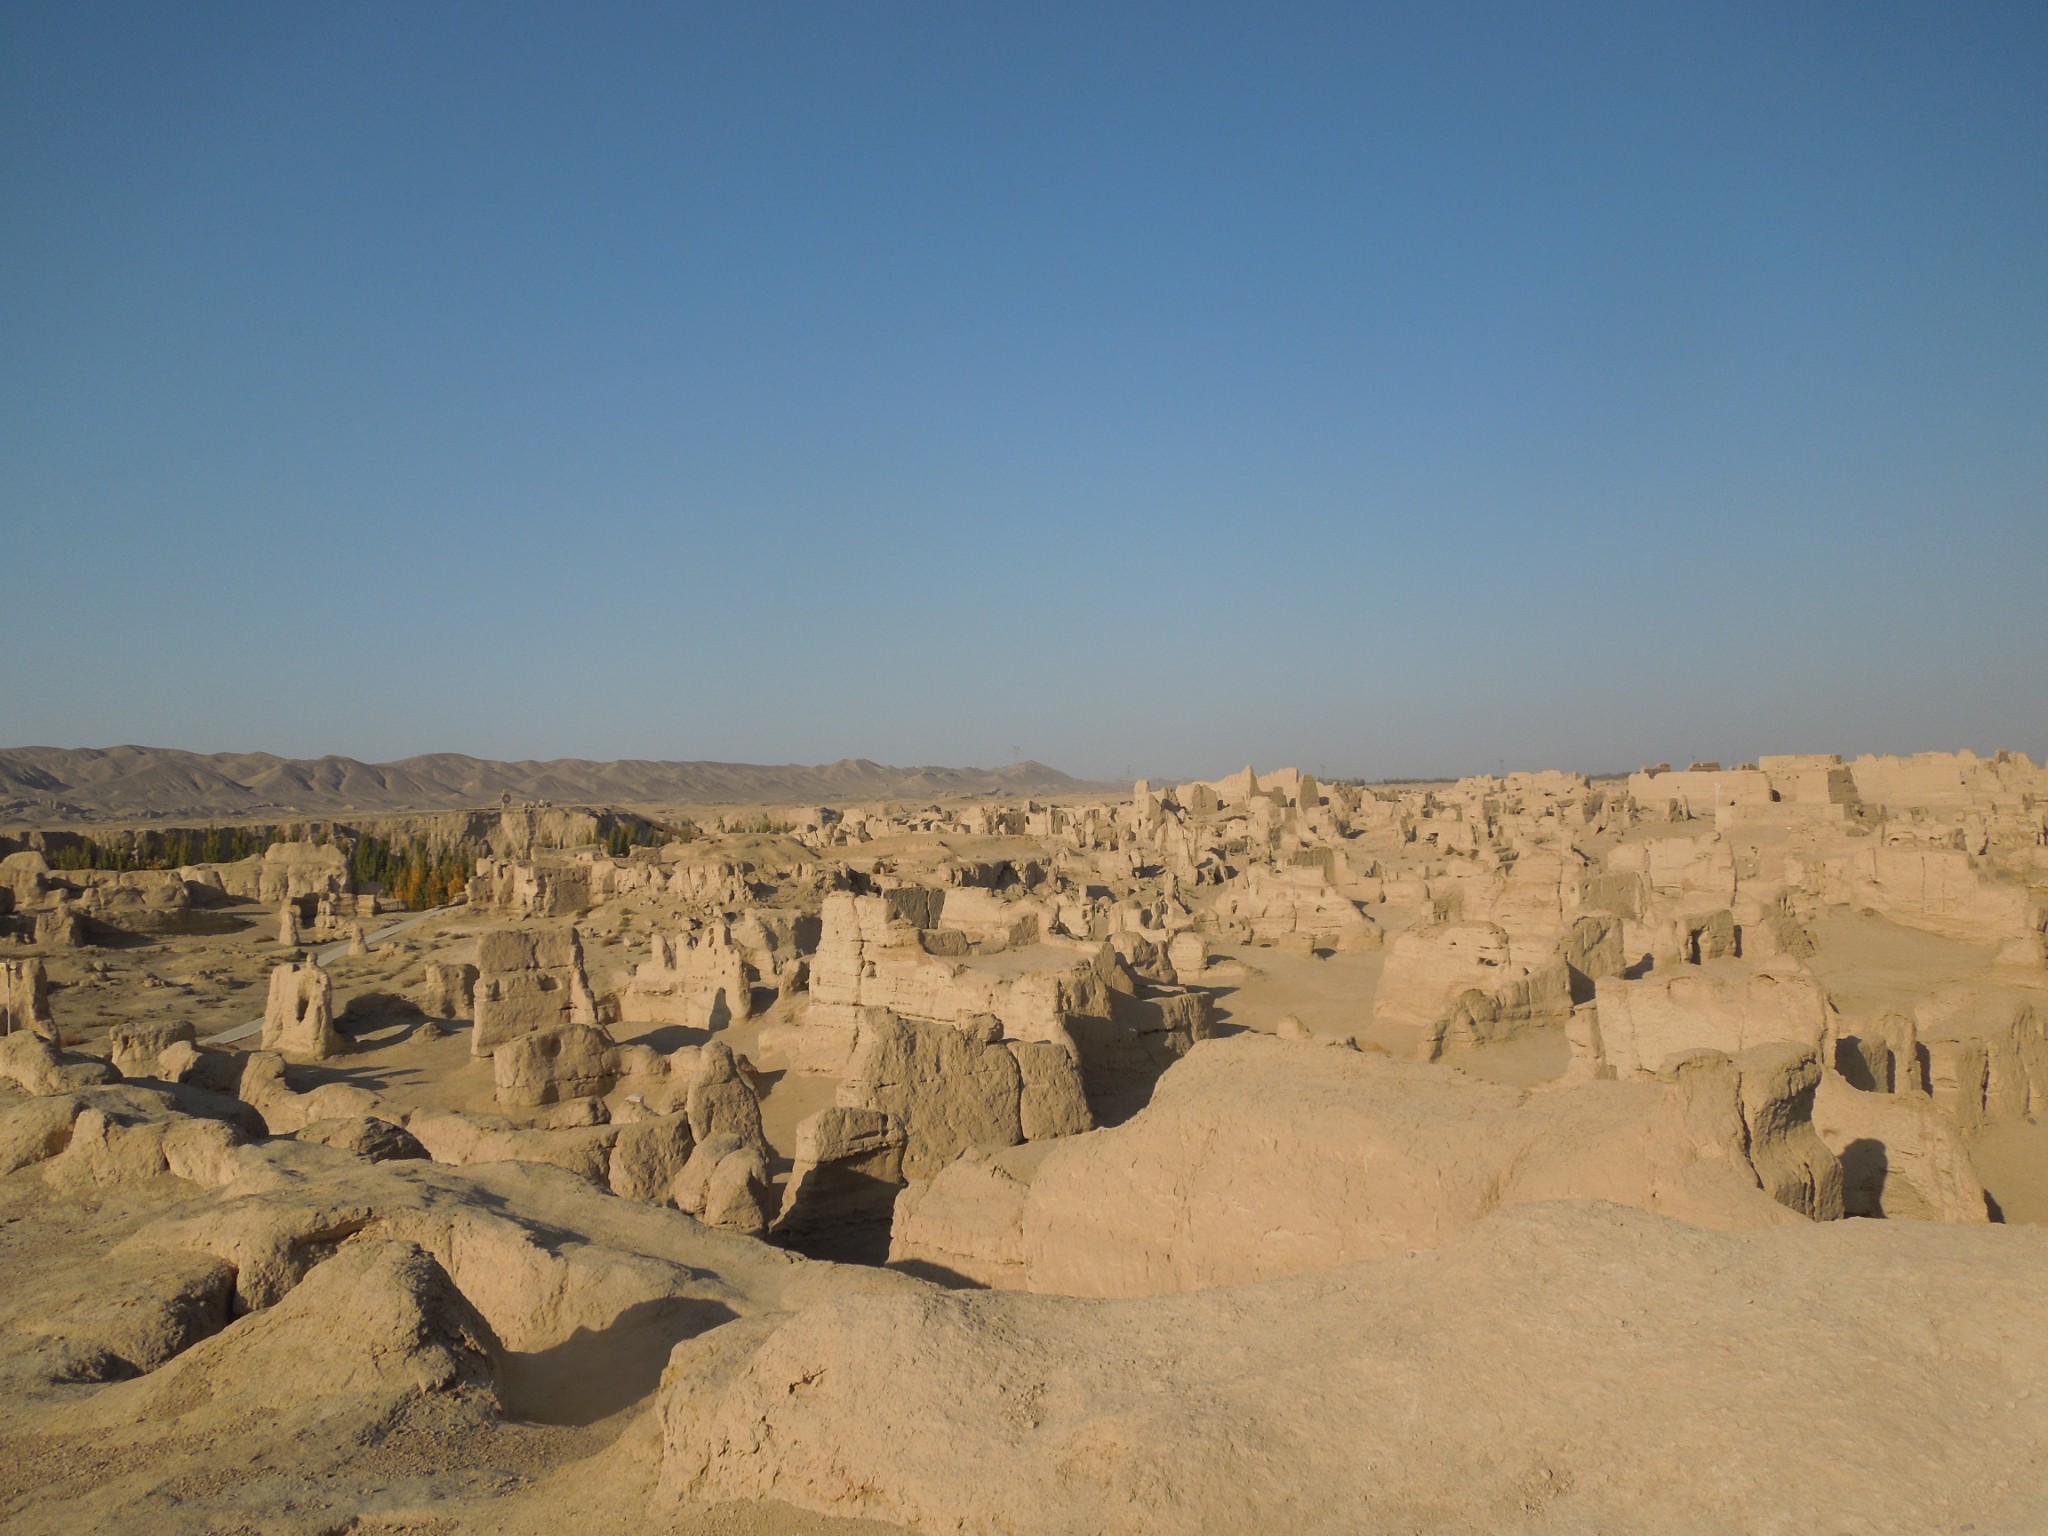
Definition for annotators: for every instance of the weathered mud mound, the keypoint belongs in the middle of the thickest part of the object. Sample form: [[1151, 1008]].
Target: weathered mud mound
[[1259, 1158], [323, 1342], [378, 1323], [1573, 1367]]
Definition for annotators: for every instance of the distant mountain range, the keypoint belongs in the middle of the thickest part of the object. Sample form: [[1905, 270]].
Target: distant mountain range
[[41, 785]]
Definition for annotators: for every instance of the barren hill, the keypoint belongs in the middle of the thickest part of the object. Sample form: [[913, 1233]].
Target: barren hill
[[129, 782]]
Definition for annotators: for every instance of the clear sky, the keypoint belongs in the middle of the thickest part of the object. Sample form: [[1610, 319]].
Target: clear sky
[[1389, 390]]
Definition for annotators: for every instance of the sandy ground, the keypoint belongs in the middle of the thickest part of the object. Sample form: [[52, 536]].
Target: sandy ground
[[1871, 965], [2011, 1159], [1333, 994]]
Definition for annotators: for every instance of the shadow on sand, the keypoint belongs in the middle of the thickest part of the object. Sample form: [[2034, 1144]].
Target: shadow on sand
[[592, 1375]]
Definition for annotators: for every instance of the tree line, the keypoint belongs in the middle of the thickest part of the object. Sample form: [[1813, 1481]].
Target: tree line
[[414, 872], [419, 872], [625, 836], [173, 849]]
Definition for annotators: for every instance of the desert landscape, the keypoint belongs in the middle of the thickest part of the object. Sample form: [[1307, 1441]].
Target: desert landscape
[[1086, 770], [1252, 1154]]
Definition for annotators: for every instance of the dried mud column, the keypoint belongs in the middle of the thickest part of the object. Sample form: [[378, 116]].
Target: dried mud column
[[528, 979], [841, 1196], [726, 1183], [298, 1020], [25, 999], [447, 990]]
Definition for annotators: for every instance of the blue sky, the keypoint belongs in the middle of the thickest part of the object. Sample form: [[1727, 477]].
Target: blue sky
[[1389, 390]]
